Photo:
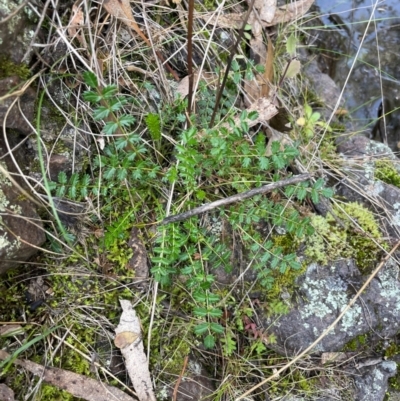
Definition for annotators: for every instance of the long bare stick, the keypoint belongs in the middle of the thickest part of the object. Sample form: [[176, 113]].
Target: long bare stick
[[351, 303], [229, 63], [236, 198], [190, 57]]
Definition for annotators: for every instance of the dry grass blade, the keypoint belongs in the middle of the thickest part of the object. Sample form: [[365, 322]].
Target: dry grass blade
[[122, 10]]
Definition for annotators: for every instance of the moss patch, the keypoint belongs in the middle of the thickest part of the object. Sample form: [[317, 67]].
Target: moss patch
[[331, 241], [386, 172], [9, 68]]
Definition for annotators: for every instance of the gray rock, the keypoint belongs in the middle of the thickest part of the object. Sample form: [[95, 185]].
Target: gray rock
[[196, 385], [360, 184], [6, 393], [372, 384], [17, 32], [16, 117], [21, 229], [323, 85], [324, 291]]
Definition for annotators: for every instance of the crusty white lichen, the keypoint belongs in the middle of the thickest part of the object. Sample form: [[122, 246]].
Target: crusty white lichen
[[5, 243], [320, 304], [389, 287]]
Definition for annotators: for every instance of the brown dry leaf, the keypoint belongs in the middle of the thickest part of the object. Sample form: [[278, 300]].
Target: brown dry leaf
[[78, 385], [252, 88], [329, 357], [276, 136], [290, 12], [286, 13], [183, 86], [125, 339], [228, 21], [10, 330], [260, 86], [76, 22], [269, 69], [266, 9], [138, 261], [265, 109], [121, 9]]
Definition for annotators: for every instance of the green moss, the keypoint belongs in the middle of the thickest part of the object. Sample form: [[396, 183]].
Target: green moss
[[9, 68], [356, 344], [50, 393], [332, 241], [386, 172]]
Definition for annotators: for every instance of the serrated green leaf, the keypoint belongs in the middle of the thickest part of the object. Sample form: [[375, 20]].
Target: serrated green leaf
[[301, 193], [200, 312], [110, 128], [109, 91], [314, 196], [101, 113], [215, 313], [319, 183], [201, 328], [235, 65], [92, 97], [209, 341], [213, 298], [236, 77], [327, 192], [216, 328], [90, 79], [199, 297], [62, 177], [60, 192], [126, 121], [154, 126]]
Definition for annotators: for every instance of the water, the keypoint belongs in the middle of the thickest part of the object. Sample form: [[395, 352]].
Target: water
[[367, 33]]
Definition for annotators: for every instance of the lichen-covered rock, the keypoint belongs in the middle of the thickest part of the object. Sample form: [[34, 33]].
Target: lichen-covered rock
[[372, 382], [17, 32], [363, 183], [21, 229], [324, 291], [16, 112], [196, 384]]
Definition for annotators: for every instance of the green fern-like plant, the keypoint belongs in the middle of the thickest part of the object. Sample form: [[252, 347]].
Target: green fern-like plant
[[154, 126]]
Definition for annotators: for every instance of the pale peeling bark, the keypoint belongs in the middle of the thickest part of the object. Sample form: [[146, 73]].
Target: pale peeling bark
[[129, 340]]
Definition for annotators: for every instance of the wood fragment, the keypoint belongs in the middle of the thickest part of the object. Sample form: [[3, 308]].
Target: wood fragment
[[78, 385], [129, 340], [235, 198]]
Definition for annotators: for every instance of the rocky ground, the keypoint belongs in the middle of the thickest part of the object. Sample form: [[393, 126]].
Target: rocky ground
[[347, 266]]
